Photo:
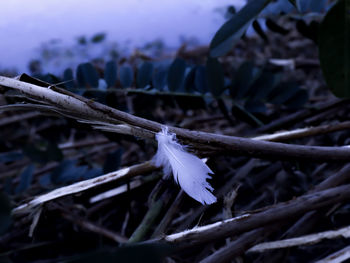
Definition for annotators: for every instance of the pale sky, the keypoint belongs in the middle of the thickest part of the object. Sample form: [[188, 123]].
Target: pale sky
[[25, 24]]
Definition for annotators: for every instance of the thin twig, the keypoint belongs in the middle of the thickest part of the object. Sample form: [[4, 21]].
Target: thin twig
[[249, 221], [304, 132], [94, 228], [85, 185], [239, 245], [77, 105], [337, 257], [303, 240], [300, 115]]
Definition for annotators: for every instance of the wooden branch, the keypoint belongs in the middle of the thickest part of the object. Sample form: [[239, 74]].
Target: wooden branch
[[252, 237], [303, 240], [302, 114], [78, 105], [337, 257], [238, 246], [94, 227], [85, 185], [249, 221], [304, 132]]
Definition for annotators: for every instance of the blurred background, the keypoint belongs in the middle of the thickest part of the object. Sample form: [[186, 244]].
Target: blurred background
[[56, 31]]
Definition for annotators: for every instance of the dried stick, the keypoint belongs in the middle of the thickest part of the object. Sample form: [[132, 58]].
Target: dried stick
[[252, 237], [337, 257], [303, 240], [249, 221], [239, 245], [75, 105], [94, 228], [305, 223], [18, 117], [304, 132], [85, 185], [300, 115]]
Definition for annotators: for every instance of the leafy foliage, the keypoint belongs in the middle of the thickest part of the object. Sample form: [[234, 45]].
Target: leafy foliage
[[144, 74], [233, 29], [176, 75], [110, 73], [334, 51], [234, 82]]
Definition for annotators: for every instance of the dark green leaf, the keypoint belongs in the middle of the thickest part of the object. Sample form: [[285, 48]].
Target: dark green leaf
[[334, 48], [68, 79], [110, 73], [258, 29], [87, 75], [310, 5], [26, 179], [274, 27], [200, 79], [5, 213], [243, 79], [176, 75], [276, 8], [233, 29], [215, 76], [189, 80], [80, 76], [317, 5], [160, 77], [126, 76], [99, 37], [144, 74], [263, 85], [243, 115]]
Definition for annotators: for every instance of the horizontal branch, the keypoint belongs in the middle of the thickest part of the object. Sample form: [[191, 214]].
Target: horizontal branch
[[248, 239], [337, 257], [81, 106], [249, 221], [304, 132], [302, 240], [84, 185]]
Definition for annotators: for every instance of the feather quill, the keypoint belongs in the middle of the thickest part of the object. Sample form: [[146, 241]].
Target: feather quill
[[190, 172]]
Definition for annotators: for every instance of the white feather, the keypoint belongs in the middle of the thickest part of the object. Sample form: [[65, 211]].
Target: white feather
[[188, 170]]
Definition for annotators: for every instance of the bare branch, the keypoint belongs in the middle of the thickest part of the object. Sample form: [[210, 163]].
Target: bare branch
[[304, 132], [337, 257], [69, 102], [85, 185], [303, 240], [249, 221]]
